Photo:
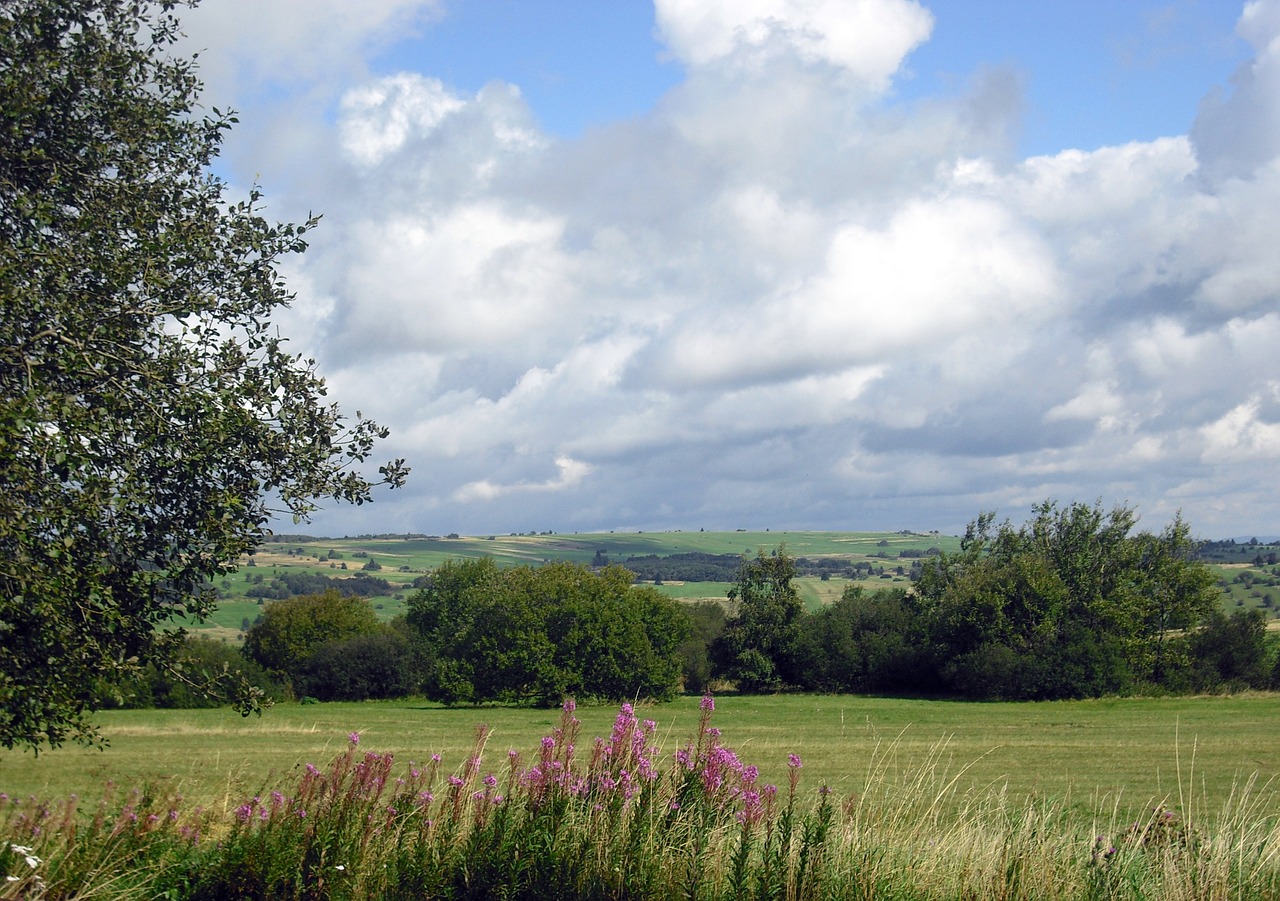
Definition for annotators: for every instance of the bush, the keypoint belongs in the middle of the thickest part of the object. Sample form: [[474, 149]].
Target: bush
[[380, 665]]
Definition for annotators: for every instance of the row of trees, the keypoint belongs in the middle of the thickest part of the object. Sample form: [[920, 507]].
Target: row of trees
[[1071, 604], [473, 633]]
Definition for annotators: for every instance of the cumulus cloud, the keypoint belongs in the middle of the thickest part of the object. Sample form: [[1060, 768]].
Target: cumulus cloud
[[781, 298], [1239, 130], [571, 472], [243, 44], [867, 38]]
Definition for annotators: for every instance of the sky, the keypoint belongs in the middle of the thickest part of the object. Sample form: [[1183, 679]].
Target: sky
[[784, 264]]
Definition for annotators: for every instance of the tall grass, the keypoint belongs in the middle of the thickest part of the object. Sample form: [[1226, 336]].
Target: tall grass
[[620, 817]]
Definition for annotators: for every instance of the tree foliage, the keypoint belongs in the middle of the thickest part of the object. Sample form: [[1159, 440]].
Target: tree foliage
[[290, 631], [1072, 603], [759, 646], [528, 635], [149, 413]]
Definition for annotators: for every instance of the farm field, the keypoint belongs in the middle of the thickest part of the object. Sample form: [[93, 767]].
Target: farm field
[[1118, 755], [401, 560]]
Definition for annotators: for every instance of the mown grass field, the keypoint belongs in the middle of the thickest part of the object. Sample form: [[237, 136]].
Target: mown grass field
[[1120, 755]]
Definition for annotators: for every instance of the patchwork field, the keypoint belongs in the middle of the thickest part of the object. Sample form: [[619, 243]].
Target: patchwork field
[[1115, 755], [401, 560]]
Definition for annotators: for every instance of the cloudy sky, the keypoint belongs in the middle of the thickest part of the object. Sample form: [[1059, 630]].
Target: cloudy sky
[[829, 264]]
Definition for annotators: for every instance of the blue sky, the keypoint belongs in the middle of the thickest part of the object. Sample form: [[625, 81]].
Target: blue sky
[[845, 264], [1094, 72]]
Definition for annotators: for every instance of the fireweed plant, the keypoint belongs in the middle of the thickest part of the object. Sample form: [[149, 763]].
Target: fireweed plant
[[616, 817]]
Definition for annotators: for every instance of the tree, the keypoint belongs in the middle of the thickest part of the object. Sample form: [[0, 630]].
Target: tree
[[528, 635], [198, 662], [1070, 604], [760, 641], [1230, 651], [151, 419], [379, 664], [706, 624], [864, 642], [290, 631]]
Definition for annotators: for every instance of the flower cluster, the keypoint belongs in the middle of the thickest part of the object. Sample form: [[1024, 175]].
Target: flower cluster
[[724, 781]]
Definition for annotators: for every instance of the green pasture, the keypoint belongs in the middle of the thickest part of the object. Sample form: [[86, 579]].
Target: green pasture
[[422, 554], [1123, 754], [403, 560]]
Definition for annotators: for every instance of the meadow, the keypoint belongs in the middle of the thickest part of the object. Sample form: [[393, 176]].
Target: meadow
[[1121, 754], [854, 798]]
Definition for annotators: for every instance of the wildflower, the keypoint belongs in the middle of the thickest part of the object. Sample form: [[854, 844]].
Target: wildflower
[[707, 704], [354, 738], [311, 769], [27, 855], [491, 780], [570, 705], [340, 868], [793, 761]]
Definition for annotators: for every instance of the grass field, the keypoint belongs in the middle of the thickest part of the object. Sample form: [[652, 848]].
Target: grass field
[[1101, 754]]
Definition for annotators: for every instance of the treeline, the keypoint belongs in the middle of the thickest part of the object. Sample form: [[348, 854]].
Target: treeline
[[473, 633], [288, 585], [1071, 604], [1074, 603], [702, 567]]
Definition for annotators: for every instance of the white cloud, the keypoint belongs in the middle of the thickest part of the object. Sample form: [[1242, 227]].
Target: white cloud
[[475, 278], [379, 118], [868, 38], [779, 295], [1241, 435], [571, 473], [243, 44]]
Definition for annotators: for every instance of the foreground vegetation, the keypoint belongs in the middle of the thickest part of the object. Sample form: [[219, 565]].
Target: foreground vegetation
[[642, 813]]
